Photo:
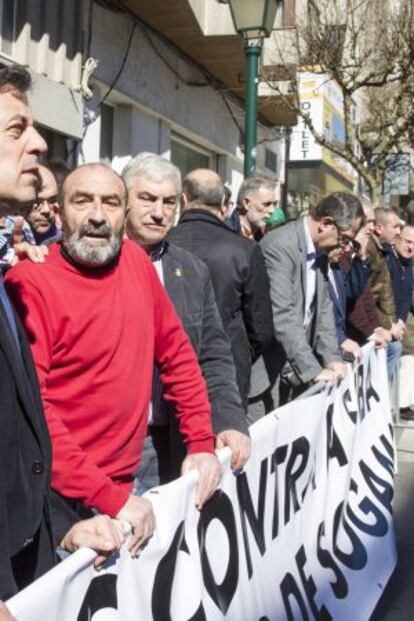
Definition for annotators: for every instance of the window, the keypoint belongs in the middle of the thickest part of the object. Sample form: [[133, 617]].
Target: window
[[271, 160], [7, 25], [107, 134], [59, 147], [188, 156]]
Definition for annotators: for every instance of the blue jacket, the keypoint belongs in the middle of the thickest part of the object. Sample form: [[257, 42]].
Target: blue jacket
[[401, 280], [348, 286]]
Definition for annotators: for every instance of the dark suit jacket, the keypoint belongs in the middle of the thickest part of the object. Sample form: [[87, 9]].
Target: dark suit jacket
[[25, 456], [240, 284], [338, 297], [187, 282], [26, 505], [349, 286]]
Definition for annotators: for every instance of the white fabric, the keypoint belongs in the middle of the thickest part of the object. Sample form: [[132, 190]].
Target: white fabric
[[405, 382], [332, 280], [158, 266], [310, 275], [310, 514], [155, 416]]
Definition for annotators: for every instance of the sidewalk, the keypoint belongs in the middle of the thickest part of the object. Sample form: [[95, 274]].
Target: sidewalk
[[397, 603]]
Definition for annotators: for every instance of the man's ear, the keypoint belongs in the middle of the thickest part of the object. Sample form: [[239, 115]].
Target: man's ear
[[184, 202], [224, 209], [324, 223], [244, 206], [57, 210]]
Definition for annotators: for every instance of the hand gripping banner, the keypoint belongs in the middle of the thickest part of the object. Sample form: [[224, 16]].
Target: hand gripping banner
[[305, 532]]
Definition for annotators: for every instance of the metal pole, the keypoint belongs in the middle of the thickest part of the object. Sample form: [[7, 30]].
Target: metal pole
[[288, 134], [252, 51]]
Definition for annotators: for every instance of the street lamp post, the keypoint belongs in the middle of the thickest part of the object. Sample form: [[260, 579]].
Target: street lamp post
[[253, 20]]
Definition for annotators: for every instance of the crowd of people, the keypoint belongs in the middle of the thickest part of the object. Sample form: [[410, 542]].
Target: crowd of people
[[145, 323]]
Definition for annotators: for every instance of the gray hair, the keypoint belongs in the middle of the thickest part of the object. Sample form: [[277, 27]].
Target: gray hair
[[342, 207], [252, 185], [152, 166], [382, 215]]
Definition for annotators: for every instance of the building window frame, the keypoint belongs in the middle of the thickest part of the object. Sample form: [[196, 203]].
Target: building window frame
[[190, 145], [8, 10]]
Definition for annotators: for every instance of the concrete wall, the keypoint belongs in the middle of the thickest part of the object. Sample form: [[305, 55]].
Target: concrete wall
[[155, 96]]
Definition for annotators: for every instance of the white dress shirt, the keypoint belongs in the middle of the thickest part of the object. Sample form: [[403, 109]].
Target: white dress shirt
[[310, 276]]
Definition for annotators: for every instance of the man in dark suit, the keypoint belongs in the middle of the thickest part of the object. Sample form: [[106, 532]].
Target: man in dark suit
[[154, 188], [31, 521], [236, 268]]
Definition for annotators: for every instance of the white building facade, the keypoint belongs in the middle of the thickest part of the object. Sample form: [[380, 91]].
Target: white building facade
[[164, 103]]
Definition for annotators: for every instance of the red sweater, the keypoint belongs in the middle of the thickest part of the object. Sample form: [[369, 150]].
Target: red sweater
[[94, 336]]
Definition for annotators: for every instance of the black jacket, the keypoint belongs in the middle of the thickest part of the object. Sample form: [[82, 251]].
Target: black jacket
[[27, 506], [240, 284], [187, 282]]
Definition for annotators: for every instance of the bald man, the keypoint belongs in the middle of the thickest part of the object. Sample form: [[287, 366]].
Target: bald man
[[99, 318], [42, 216], [236, 268]]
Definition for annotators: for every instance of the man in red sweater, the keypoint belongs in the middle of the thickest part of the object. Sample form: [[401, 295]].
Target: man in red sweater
[[97, 317]]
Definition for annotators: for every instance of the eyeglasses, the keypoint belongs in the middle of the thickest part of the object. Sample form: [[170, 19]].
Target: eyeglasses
[[343, 239], [50, 202]]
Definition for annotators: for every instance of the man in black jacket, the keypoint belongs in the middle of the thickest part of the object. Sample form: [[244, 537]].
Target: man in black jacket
[[154, 188], [27, 510], [236, 268]]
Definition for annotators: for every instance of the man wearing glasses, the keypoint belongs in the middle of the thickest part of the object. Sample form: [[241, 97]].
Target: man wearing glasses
[[42, 216], [302, 310]]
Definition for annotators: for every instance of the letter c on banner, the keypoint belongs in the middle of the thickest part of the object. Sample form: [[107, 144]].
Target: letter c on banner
[[163, 581], [219, 507], [101, 594]]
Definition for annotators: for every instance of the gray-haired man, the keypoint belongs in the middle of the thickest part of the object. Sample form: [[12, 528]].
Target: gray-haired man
[[256, 202], [154, 189]]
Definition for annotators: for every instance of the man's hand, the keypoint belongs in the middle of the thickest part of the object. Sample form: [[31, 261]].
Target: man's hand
[[239, 444], [339, 368], [362, 239], [397, 330], [381, 337], [352, 347], [24, 250], [5, 614], [326, 375], [209, 473], [138, 512], [99, 533]]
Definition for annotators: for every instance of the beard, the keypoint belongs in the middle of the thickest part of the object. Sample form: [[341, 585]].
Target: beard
[[256, 219], [87, 253]]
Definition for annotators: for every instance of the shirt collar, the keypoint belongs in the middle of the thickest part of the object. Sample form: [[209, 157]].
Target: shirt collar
[[156, 252], [310, 246]]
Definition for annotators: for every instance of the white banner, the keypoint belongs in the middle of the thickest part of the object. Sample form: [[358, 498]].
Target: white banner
[[305, 532]]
